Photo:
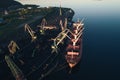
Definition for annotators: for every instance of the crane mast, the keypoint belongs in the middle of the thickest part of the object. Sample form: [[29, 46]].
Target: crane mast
[[65, 24], [30, 31], [60, 36], [64, 33], [44, 22], [61, 25], [13, 47], [17, 73]]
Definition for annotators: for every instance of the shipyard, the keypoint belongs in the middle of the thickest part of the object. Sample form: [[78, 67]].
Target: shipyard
[[39, 42]]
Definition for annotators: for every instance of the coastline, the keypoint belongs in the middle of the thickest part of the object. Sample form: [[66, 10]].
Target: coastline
[[27, 47], [18, 31]]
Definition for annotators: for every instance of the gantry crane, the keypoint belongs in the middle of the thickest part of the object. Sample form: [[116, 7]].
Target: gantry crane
[[30, 31], [13, 47], [77, 33], [17, 73], [65, 24], [59, 39], [60, 36], [64, 33], [44, 22]]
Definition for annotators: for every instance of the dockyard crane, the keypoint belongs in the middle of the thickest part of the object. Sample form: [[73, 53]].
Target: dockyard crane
[[77, 36], [30, 31], [64, 33], [42, 26], [60, 13], [13, 47], [17, 73], [44, 22], [61, 25], [65, 24], [54, 46], [61, 36], [81, 22]]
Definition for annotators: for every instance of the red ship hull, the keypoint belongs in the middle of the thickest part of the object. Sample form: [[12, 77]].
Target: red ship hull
[[74, 47]]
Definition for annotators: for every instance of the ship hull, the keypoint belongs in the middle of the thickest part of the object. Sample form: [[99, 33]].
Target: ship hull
[[74, 48], [73, 60]]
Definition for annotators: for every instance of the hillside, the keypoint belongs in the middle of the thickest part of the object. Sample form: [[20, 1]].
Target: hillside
[[7, 3]]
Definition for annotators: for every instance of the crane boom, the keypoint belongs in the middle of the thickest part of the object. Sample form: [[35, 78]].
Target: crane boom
[[30, 31], [13, 47], [65, 24], [17, 73]]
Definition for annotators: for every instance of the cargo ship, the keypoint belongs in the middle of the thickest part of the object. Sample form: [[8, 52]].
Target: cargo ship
[[74, 48]]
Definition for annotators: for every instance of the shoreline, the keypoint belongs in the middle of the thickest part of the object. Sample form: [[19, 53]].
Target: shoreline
[[27, 46], [33, 23], [21, 36]]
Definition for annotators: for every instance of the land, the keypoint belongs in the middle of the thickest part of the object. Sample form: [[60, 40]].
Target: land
[[8, 3], [13, 17], [16, 19], [13, 29]]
